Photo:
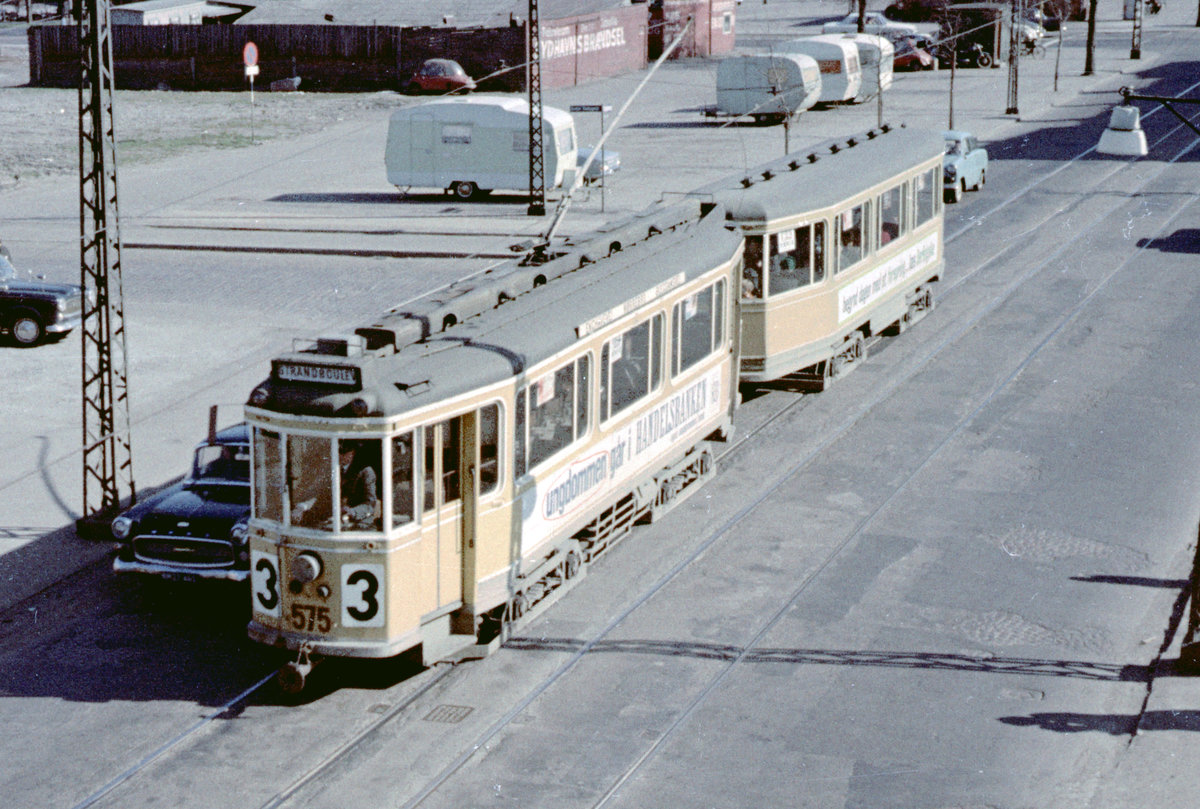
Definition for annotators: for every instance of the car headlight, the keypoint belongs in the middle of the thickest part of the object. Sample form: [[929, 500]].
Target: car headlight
[[121, 527], [239, 532], [951, 171]]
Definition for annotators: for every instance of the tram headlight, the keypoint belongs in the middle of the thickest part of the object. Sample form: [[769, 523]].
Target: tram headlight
[[306, 567], [121, 527], [259, 396]]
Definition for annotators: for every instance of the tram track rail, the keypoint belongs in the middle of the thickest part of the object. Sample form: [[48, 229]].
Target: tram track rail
[[439, 675], [726, 527]]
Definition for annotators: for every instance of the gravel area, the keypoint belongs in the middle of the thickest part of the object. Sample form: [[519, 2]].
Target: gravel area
[[40, 135]]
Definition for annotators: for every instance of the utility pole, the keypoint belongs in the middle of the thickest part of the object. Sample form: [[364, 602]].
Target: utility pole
[[537, 164], [1089, 58], [107, 457], [1016, 40]]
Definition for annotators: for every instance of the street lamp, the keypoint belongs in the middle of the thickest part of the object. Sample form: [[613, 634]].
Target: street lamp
[[1124, 135]]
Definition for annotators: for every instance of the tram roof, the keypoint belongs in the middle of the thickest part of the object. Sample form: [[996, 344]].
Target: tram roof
[[506, 341], [825, 175]]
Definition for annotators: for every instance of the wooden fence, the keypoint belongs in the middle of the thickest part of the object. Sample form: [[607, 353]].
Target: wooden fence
[[326, 57]]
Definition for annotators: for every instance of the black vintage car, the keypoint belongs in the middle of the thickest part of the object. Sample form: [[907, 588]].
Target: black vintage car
[[31, 310], [195, 529]]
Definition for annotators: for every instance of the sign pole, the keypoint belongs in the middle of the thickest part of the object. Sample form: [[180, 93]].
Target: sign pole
[[250, 60]]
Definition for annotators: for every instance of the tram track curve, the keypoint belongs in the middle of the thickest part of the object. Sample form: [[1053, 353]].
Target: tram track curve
[[794, 402]]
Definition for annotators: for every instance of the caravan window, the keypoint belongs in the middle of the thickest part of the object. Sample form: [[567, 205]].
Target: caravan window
[[456, 133], [566, 140]]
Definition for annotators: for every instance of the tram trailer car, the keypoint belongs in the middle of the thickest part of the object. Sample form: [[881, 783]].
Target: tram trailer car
[[482, 464], [843, 242]]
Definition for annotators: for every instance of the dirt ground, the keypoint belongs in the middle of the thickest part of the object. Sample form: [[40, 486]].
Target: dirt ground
[[40, 131]]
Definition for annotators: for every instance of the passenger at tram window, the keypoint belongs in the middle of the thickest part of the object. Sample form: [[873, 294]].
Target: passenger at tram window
[[357, 466], [752, 269], [889, 215], [850, 237], [789, 260], [403, 468]]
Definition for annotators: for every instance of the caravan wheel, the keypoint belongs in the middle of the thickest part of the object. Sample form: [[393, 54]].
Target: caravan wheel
[[464, 189]]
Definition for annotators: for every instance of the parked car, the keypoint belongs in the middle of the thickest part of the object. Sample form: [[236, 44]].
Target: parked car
[[439, 76], [964, 165], [874, 22], [196, 528], [606, 163], [910, 55], [32, 310]]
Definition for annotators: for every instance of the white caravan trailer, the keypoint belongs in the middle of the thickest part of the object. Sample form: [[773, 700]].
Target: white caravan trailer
[[475, 144], [767, 87], [875, 55], [837, 57]]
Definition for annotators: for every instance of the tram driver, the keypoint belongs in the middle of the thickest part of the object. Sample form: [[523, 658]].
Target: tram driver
[[359, 484]]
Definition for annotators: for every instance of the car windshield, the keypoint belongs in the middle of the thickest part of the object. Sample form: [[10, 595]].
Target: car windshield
[[230, 462], [952, 147], [7, 271]]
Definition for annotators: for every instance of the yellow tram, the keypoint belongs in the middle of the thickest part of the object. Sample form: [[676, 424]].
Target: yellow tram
[[436, 472], [842, 242]]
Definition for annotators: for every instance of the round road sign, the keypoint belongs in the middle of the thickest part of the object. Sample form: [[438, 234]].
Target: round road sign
[[250, 54]]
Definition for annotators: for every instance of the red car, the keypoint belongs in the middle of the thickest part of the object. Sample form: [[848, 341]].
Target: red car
[[910, 55], [439, 76]]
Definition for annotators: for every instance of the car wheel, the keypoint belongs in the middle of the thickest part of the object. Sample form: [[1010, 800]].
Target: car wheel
[[412, 89], [951, 195], [979, 184], [26, 327], [464, 189]]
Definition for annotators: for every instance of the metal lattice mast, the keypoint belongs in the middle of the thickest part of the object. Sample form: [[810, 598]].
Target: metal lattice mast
[[107, 457], [537, 165], [1016, 39]]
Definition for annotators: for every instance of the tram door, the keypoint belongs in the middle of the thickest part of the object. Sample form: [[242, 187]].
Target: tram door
[[442, 517]]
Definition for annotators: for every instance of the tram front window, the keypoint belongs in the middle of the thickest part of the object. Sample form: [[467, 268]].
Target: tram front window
[[402, 480], [752, 269], [358, 470], [309, 482], [790, 264], [268, 475]]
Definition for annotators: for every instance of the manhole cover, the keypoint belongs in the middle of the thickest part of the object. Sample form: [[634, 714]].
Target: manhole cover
[[449, 714]]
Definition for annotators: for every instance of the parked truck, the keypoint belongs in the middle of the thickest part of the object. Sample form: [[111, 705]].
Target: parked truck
[[470, 146]]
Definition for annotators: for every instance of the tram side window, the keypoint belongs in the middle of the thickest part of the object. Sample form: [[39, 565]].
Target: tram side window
[[358, 471], [268, 475], [696, 326], [752, 268], [309, 482], [634, 364], [403, 479], [791, 264], [891, 209], [451, 430], [551, 413], [582, 388], [928, 192], [489, 448], [850, 236], [519, 434], [818, 265]]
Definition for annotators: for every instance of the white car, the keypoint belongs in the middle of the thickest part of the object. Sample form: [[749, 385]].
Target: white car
[[874, 22]]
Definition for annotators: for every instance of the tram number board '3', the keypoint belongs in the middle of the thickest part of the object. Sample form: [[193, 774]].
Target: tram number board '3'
[[339, 375]]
